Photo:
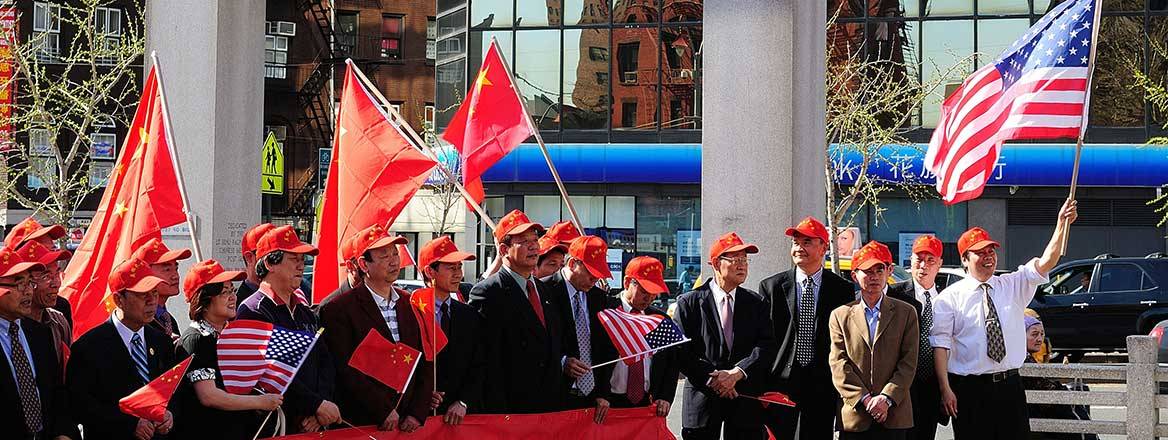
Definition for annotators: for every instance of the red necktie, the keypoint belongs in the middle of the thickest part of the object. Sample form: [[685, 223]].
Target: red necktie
[[533, 297], [635, 385]]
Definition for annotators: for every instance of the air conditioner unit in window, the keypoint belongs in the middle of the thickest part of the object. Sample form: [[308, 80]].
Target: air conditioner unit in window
[[629, 77], [685, 73], [286, 28]]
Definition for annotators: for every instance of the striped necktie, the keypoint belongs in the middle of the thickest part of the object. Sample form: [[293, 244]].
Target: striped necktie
[[139, 355], [30, 401]]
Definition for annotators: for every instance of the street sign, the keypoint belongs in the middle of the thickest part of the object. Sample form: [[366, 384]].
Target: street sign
[[324, 160], [272, 167]]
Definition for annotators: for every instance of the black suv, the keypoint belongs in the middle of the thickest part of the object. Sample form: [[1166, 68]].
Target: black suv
[[1093, 305]]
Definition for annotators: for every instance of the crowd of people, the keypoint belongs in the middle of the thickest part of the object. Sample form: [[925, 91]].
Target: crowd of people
[[888, 362]]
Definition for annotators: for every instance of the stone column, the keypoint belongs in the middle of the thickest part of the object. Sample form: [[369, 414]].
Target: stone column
[[763, 123]]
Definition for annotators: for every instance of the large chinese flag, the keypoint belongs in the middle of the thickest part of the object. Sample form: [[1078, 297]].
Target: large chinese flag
[[141, 197], [149, 402], [433, 339], [489, 124], [389, 363], [374, 173]]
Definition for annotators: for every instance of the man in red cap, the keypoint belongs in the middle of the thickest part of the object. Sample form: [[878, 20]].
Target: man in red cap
[[921, 291], [522, 325], [248, 250], [376, 304], [116, 358], [32, 395], [731, 347], [801, 300], [278, 300], [29, 230], [164, 263], [874, 343], [460, 364], [652, 380], [48, 283], [553, 249], [980, 319], [353, 275], [573, 290]]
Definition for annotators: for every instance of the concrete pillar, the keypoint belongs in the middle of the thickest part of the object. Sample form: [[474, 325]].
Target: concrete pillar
[[211, 54], [763, 123]]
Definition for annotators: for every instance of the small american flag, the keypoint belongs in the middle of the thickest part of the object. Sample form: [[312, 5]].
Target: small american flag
[[1036, 89], [637, 336], [256, 353]]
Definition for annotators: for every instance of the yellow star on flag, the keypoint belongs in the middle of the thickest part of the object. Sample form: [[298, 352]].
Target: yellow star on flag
[[479, 83], [408, 358], [120, 208]]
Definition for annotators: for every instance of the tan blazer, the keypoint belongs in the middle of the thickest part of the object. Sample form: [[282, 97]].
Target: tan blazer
[[859, 367]]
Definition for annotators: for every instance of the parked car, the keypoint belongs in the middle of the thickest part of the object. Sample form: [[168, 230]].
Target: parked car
[[1093, 305], [898, 273]]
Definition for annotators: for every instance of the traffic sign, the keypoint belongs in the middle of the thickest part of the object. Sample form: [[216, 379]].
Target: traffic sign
[[272, 166]]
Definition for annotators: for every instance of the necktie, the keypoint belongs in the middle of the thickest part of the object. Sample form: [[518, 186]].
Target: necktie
[[163, 318], [995, 343], [533, 298], [805, 336], [583, 340], [727, 323], [925, 364], [139, 355], [635, 385], [30, 401], [445, 312]]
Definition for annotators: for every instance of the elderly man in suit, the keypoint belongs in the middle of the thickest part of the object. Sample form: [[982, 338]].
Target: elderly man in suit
[[874, 345], [921, 291], [652, 380], [731, 348]]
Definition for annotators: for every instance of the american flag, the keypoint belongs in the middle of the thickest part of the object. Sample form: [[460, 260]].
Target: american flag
[[256, 353], [638, 336], [1036, 89]]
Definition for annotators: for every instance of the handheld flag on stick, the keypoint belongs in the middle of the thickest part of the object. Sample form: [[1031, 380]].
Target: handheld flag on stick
[[638, 336], [390, 363], [256, 353], [149, 402]]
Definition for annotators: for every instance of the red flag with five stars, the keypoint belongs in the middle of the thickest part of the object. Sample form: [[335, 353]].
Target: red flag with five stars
[[141, 197], [391, 364], [433, 339], [150, 401]]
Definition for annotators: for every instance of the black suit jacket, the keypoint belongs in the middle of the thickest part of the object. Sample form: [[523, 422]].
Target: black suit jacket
[[523, 356], [779, 289], [101, 372], [753, 351], [347, 319], [461, 363], [925, 391], [664, 369], [49, 382], [601, 344]]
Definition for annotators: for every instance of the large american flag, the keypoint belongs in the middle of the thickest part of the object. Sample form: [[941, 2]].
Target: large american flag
[[1036, 89], [256, 353], [637, 336]]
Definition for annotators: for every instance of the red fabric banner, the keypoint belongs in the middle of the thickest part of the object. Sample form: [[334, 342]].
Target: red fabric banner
[[638, 423]]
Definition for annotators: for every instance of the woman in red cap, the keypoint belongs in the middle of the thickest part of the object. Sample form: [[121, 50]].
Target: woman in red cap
[[210, 291]]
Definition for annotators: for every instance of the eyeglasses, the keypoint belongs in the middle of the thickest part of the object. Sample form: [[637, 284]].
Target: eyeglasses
[[30, 284], [739, 260]]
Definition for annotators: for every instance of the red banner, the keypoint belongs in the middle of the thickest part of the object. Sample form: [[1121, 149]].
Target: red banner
[[638, 423], [7, 68]]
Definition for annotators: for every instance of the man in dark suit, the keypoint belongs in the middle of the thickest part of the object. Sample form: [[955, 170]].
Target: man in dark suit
[[920, 292], [376, 304], [522, 325], [116, 358], [801, 301], [32, 394], [731, 348], [652, 380], [460, 364], [573, 290]]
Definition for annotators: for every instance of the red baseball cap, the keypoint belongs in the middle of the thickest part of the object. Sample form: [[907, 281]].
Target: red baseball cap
[[373, 237], [810, 227], [154, 251], [207, 272], [30, 229], [928, 244], [593, 252], [442, 250], [870, 255], [730, 242], [514, 223], [559, 235], [11, 264], [283, 238], [974, 239], [649, 273], [253, 235], [33, 251], [134, 275]]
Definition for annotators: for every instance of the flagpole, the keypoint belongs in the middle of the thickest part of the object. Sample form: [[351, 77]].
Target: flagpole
[[638, 354], [434, 342], [539, 140], [421, 146], [182, 186], [1086, 112]]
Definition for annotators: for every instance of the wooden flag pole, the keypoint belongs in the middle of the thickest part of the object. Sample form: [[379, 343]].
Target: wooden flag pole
[[1086, 113], [539, 140], [420, 145], [182, 187]]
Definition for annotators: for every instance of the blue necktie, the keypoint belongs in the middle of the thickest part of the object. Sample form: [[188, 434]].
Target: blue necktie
[[139, 355]]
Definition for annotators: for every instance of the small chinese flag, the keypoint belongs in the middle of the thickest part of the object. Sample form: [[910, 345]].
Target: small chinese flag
[[150, 401], [391, 364], [777, 398], [433, 338]]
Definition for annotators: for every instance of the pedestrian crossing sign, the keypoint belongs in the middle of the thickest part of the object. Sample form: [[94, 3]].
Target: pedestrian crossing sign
[[272, 166]]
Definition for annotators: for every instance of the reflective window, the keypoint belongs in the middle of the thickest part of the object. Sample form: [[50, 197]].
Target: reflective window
[[537, 72], [1120, 51], [680, 100], [1003, 7], [936, 8], [491, 14], [585, 12], [634, 89], [1158, 64], [660, 223], [544, 210], [586, 79], [1115, 277], [995, 36], [676, 11], [1123, 5], [537, 13], [944, 44], [635, 11], [911, 8], [451, 85]]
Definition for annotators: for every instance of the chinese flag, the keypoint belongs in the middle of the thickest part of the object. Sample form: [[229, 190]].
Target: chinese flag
[[433, 339], [141, 197], [375, 171], [776, 398], [489, 124], [150, 401], [391, 364]]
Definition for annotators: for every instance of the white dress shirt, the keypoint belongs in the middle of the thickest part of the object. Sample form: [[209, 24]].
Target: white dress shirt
[[126, 334], [959, 320], [620, 373]]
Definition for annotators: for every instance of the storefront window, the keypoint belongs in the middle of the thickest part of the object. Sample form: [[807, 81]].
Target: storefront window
[[661, 223]]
